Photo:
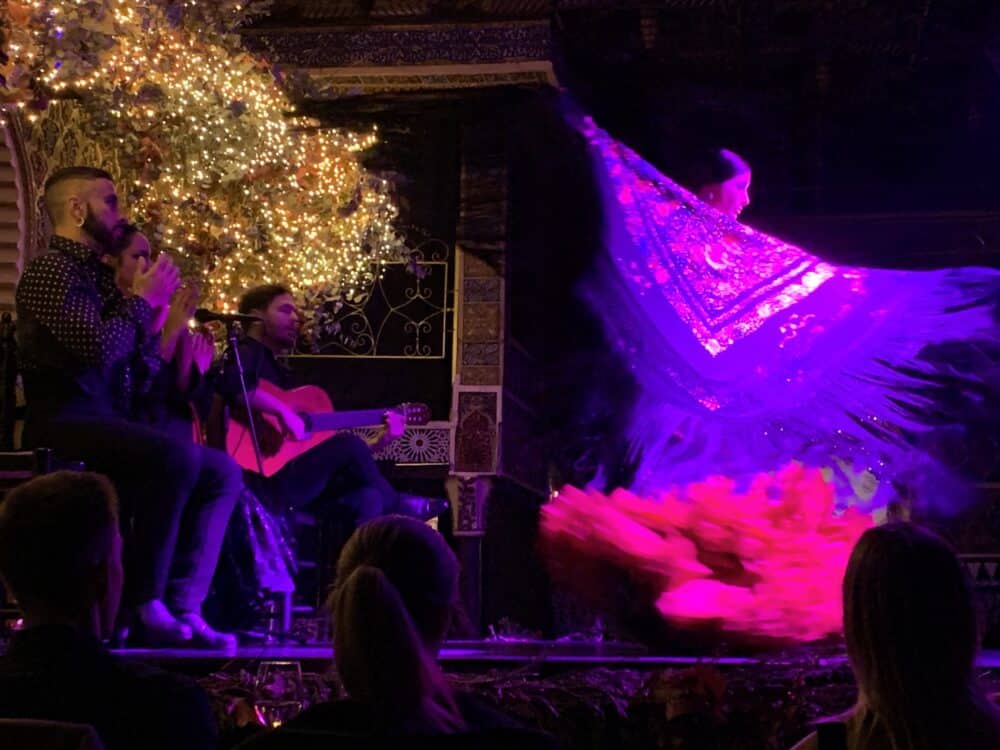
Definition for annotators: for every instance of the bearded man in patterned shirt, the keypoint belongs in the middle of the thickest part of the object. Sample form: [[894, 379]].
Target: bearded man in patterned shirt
[[75, 328]]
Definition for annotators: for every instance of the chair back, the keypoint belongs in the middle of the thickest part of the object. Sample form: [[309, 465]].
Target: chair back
[[31, 734], [8, 381]]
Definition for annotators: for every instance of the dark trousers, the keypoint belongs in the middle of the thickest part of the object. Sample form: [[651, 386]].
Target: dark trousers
[[339, 473], [176, 499]]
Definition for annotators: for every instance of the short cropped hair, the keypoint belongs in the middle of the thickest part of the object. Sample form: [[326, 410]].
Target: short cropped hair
[[53, 530], [260, 297], [76, 173], [54, 197]]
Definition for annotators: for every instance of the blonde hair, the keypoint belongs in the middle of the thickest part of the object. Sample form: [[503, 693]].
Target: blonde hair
[[395, 590], [910, 627]]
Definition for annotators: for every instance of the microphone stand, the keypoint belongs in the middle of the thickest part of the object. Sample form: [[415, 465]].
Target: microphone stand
[[233, 331], [279, 614]]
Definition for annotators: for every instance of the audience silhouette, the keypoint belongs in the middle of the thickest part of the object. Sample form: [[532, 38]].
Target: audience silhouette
[[394, 598], [911, 632], [60, 557]]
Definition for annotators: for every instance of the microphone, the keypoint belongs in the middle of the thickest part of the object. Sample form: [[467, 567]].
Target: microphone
[[202, 316]]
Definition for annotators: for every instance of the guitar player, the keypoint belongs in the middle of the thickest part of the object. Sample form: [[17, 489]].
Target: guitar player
[[338, 472]]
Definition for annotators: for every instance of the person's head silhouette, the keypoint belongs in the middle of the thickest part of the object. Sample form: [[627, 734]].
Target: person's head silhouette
[[395, 593], [910, 627]]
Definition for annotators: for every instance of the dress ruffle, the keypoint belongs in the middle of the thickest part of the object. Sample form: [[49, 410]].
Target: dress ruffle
[[766, 561], [751, 356]]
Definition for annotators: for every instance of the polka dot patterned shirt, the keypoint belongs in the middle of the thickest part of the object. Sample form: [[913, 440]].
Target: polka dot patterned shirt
[[74, 328]]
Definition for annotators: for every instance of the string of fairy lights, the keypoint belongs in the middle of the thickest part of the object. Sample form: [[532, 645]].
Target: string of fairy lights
[[223, 174]]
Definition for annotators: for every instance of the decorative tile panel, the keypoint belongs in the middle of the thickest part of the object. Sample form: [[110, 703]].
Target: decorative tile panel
[[480, 265], [481, 322], [482, 289], [481, 238], [481, 354], [418, 445], [480, 375], [985, 573], [476, 432], [468, 496]]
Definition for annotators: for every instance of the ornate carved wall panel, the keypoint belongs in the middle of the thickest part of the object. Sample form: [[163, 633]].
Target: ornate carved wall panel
[[340, 82], [416, 57], [403, 315], [395, 341], [403, 46], [419, 446], [481, 239], [476, 426], [16, 201]]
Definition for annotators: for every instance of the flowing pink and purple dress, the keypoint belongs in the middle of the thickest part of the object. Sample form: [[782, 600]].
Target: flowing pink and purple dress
[[779, 400]]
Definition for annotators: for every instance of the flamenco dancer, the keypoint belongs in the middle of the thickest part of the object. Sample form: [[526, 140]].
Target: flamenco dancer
[[780, 400]]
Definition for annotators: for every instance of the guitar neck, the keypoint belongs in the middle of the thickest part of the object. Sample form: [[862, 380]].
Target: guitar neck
[[344, 420]]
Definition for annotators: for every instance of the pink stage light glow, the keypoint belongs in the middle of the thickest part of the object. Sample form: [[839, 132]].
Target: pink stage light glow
[[765, 562]]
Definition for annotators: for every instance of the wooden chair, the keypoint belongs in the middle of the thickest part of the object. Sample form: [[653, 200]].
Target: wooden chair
[[16, 466]]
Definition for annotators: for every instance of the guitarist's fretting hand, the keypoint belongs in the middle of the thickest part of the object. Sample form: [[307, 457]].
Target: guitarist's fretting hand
[[281, 411], [393, 427]]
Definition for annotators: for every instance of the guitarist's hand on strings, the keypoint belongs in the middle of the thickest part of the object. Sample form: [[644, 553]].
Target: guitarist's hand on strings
[[270, 437], [293, 424]]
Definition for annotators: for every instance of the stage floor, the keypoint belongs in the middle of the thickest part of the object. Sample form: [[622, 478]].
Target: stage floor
[[489, 654]]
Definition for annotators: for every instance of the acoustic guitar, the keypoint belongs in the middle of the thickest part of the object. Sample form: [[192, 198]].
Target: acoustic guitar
[[314, 406]]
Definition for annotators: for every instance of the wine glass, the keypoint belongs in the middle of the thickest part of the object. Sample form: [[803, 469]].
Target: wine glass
[[275, 713], [280, 692]]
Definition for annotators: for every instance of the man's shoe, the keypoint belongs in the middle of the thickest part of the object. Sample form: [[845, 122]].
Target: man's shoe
[[155, 627], [207, 636], [423, 508]]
